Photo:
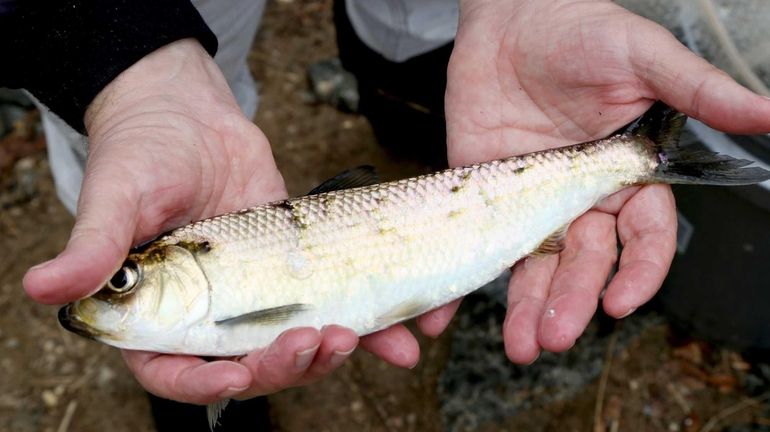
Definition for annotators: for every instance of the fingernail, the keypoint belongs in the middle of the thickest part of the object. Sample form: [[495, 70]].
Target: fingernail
[[42, 264], [338, 357], [630, 311], [414, 365], [232, 391], [302, 359]]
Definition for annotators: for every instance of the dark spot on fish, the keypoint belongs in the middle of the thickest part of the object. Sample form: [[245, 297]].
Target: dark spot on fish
[[385, 231], [293, 210], [520, 170], [454, 213], [285, 204], [195, 247], [456, 188]]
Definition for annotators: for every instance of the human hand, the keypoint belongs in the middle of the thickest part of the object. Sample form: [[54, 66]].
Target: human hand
[[168, 146], [531, 75]]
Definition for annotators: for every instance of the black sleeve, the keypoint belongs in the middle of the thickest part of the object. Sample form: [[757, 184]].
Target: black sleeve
[[65, 51]]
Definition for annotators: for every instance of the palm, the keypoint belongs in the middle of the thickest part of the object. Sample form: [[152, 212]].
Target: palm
[[191, 175], [545, 75]]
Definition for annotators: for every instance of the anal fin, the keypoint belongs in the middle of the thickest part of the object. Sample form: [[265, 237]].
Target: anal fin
[[553, 244], [214, 411], [401, 312]]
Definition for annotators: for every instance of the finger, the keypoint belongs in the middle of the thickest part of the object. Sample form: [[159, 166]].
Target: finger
[[434, 322], [187, 379], [97, 246], [336, 346], [527, 292], [283, 363], [396, 345], [584, 265], [692, 85], [647, 229]]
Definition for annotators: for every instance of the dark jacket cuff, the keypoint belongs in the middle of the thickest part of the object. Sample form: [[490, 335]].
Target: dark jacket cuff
[[65, 52]]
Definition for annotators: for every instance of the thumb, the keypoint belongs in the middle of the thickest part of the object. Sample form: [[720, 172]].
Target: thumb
[[695, 87], [102, 235]]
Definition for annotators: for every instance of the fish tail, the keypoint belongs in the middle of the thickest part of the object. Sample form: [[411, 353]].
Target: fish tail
[[663, 125]]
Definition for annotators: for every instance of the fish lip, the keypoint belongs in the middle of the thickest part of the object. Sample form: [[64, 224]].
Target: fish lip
[[75, 325]]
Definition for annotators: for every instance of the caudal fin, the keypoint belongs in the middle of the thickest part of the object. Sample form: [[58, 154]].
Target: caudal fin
[[663, 126]]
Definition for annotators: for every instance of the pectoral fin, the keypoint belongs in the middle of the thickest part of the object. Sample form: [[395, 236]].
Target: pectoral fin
[[274, 315]]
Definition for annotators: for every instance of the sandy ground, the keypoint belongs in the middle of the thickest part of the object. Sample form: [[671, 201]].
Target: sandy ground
[[51, 380]]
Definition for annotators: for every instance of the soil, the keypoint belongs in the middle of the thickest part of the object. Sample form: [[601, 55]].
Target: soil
[[646, 379]]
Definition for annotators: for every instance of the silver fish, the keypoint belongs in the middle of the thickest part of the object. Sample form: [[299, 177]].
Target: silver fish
[[369, 257]]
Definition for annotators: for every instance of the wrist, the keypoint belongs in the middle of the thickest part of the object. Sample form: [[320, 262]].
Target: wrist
[[178, 73]]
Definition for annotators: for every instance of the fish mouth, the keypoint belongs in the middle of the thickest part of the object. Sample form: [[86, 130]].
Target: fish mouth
[[71, 322]]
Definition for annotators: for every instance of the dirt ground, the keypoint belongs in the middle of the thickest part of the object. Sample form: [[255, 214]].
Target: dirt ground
[[51, 380]]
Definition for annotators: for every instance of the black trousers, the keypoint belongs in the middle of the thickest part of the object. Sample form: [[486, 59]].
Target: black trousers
[[404, 102]]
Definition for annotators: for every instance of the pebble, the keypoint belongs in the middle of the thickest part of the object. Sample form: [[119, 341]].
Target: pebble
[[356, 406], [106, 375], [12, 343], [50, 399]]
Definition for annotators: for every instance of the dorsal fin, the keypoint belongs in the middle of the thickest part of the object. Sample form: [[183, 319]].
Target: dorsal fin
[[365, 175], [272, 315], [553, 244]]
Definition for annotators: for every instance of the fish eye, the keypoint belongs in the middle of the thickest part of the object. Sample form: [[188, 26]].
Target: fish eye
[[125, 279]]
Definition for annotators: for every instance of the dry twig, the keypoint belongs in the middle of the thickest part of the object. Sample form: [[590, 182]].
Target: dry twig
[[712, 423], [64, 425], [599, 407]]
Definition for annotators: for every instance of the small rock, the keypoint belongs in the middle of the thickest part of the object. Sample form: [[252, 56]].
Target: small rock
[[633, 385], [26, 177], [12, 343], [50, 399], [105, 376], [356, 406], [333, 85], [396, 422], [411, 419]]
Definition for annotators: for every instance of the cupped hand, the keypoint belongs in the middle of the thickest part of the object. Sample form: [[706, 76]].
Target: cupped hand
[[531, 75], [168, 146]]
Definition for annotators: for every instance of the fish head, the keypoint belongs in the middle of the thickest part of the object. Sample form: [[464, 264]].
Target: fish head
[[150, 303]]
